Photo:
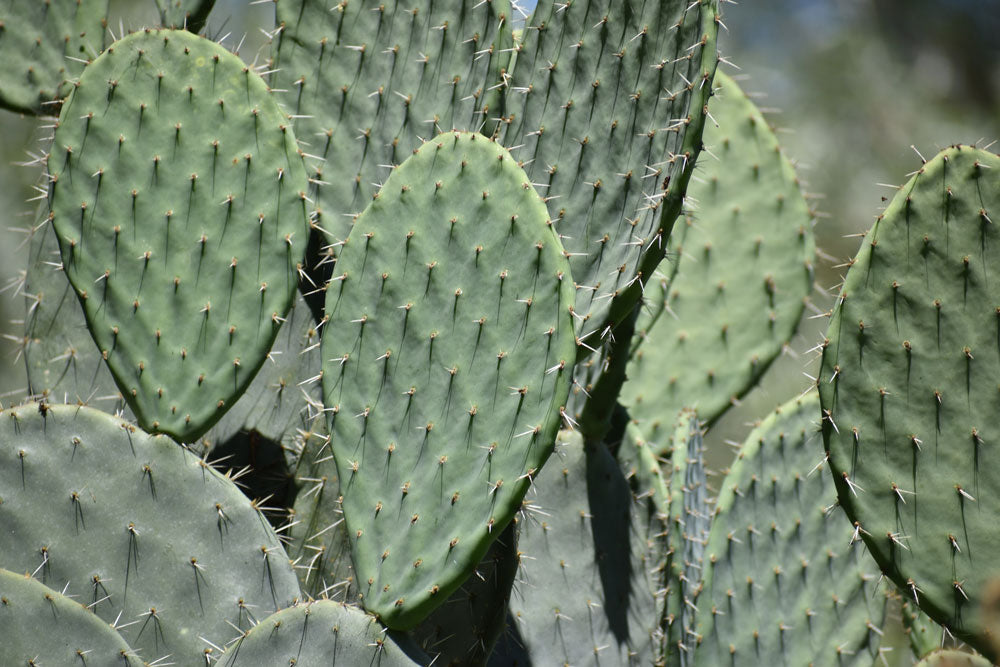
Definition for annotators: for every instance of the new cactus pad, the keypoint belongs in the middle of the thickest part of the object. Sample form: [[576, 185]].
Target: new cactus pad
[[137, 528], [909, 388], [178, 194], [445, 368]]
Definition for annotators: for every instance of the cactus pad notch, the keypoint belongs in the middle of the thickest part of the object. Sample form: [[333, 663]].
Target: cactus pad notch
[[446, 365], [908, 385], [96, 505], [178, 194], [783, 581]]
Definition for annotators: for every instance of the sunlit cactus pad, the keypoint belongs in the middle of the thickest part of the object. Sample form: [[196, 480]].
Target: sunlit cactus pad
[[322, 633], [909, 386], [446, 364], [178, 195], [43, 45], [137, 528], [783, 582], [739, 274], [41, 626]]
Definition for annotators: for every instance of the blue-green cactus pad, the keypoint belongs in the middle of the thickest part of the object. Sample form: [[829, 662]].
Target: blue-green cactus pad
[[178, 195], [322, 633], [446, 364], [742, 270], [909, 387], [40, 626], [137, 528], [784, 583]]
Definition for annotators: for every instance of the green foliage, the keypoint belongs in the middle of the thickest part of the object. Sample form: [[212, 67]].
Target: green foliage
[[909, 391]]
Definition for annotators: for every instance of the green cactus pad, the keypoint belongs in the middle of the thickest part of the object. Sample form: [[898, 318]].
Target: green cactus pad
[[322, 633], [783, 581], [908, 384], [41, 626], [606, 104], [369, 81], [446, 362], [43, 46], [586, 590], [137, 528], [744, 270], [954, 659], [178, 195], [64, 364], [187, 14]]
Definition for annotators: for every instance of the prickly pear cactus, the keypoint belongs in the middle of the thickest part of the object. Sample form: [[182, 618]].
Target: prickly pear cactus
[[744, 268], [368, 82], [41, 626], [909, 388], [43, 45], [606, 102], [446, 365], [923, 634], [586, 591], [321, 633], [142, 531], [776, 544], [178, 194]]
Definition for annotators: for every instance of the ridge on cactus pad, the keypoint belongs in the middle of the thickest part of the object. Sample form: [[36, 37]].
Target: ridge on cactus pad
[[41, 626], [908, 385], [137, 528], [446, 364], [178, 195]]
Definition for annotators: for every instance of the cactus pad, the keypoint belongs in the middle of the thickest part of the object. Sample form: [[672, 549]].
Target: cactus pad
[[137, 528], [606, 103], [777, 545], [953, 659], [41, 626], [586, 591], [909, 388], [43, 45], [368, 82], [178, 196], [446, 364], [187, 14], [743, 271], [322, 633]]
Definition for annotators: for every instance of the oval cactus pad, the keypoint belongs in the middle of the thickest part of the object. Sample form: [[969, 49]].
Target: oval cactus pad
[[446, 363], [178, 196], [909, 387]]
